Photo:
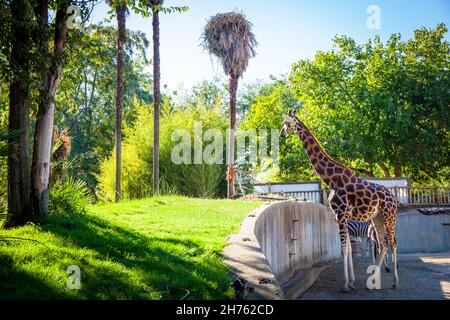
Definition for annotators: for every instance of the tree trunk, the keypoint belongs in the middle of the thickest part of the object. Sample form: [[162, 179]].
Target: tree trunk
[[40, 169], [365, 172], [398, 168], [231, 170], [385, 169], [397, 161], [156, 97], [20, 208], [120, 11]]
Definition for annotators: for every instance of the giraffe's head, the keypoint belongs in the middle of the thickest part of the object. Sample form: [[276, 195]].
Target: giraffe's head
[[289, 125]]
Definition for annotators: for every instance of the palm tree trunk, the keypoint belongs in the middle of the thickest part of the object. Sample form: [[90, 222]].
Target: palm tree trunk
[[230, 172], [43, 137], [156, 98], [19, 183], [120, 11]]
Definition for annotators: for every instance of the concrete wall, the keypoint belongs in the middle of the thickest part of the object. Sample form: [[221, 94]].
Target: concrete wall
[[296, 236], [417, 232], [289, 243]]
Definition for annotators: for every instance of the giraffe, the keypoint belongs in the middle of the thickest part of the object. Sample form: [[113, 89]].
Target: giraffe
[[351, 197]]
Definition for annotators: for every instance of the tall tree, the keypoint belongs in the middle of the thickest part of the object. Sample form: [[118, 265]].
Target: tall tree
[[156, 92], [154, 7], [88, 95], [121, 11], [19, 183], [229, 37], [385, 105], [51, 73]]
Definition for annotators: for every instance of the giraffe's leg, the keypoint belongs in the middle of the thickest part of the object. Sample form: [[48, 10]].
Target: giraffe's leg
[[341, 214], [386, 261], [381, 235], [373, 249], [376, 249], [390, 230], [351, 271], [346, 250], [394, 258]]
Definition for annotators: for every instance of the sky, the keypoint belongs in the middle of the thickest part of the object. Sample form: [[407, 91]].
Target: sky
[[286, 30]]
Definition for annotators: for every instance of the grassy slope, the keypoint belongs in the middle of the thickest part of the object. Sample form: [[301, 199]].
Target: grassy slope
[[132, 250]]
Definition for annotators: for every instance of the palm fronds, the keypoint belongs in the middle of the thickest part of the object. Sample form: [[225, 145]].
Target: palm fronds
[[229, 36], [5, 136], [69, 197]]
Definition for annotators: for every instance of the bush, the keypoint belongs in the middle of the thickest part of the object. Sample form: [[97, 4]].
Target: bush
[[199, 180], [69, 197]]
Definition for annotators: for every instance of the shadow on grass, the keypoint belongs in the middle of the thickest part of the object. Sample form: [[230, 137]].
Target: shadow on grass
[[16, 284], [132, 266]]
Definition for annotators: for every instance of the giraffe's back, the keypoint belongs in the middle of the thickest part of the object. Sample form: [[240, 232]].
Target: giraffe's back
[[367, 199]]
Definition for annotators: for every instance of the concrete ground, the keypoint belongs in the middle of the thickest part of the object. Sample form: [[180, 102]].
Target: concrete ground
[[422, 277]]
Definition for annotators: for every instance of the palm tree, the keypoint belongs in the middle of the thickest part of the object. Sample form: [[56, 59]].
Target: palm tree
[[229, 37], [155, 5], [121, 11]]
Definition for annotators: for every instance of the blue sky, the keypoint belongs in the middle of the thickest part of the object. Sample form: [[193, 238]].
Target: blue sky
[[287, 30]]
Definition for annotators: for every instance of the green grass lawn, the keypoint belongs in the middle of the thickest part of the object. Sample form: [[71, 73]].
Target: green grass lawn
[[144, 249]]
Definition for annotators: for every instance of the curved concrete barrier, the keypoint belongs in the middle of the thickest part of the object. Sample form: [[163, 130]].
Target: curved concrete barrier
[[294, 240], [296, 236], [299, 239], [282, 247]]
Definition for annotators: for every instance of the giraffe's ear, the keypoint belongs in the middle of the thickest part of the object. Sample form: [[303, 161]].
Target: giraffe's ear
[[286, 118]]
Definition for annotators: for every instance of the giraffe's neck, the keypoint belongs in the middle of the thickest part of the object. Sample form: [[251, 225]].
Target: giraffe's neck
[[326, 167]]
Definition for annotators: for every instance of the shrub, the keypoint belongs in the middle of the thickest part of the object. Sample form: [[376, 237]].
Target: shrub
[[200, 180], [69, 197]]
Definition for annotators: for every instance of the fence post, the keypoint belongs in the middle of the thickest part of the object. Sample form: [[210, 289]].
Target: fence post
[[397, 194], [324, 197], [436, 194], [410, 200]]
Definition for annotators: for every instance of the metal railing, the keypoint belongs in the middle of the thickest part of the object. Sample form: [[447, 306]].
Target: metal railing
[[421, 196], [406, 196], [310, 196]]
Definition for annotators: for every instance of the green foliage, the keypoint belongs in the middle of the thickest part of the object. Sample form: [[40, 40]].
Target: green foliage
[[272, 101], [201, 180], [129, 250], [5, 34], [146, 8], [212, 94], [377, 105], [86, 94], [5, 150], [69, 197]]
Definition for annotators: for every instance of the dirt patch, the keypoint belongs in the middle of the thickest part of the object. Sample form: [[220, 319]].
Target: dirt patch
[[422, 277]]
